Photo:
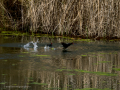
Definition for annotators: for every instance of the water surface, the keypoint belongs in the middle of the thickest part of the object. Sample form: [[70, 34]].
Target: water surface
[[84, 65]]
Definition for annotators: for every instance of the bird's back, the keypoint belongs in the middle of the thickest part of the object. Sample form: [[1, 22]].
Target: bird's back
[[65, 45], [50, 45]]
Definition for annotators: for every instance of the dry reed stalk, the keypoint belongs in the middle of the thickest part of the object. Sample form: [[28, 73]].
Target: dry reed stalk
[[6, 16], [77, 17]]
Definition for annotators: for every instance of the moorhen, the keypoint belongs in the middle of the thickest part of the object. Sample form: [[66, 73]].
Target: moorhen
[[49, 45], [65, 45]]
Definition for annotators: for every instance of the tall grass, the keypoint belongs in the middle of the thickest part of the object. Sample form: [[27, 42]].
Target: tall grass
[[96, 18]]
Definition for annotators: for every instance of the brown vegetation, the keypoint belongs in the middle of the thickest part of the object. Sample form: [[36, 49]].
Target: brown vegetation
[[96, 18]]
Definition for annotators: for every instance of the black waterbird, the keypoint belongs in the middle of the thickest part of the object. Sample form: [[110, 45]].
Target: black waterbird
[[65, 45], [49, 45]]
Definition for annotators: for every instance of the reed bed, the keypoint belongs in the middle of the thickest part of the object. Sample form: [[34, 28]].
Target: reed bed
[[84, 18]]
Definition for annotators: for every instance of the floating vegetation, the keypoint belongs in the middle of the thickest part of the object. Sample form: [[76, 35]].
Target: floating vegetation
[[85, 40], [104, 53], [84, 71], [6, 32], [14, 84], [6, 37], [41, 55], [13, 33], [66, 37], [83, 55], [72, 38], [13, 64], [3, 82], [68, 85], [38, 83], [94, 56], [25, 52], [53, 88], [21, 55], [104, 73], [64, 69], [31, 79], [104, 61], [69, 70], [93, 89], [96, 63], [53, 48], [38, 36], [60, 69], [104, 82], [111, 40], [114, 53], [117, 69], [71, 74], [5, 60]]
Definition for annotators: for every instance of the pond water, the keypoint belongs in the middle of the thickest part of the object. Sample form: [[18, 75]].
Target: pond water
[[26, 64]]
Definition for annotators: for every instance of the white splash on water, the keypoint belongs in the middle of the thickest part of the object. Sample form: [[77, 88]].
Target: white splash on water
[[46, 48], [31, 45], [28, 45]]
